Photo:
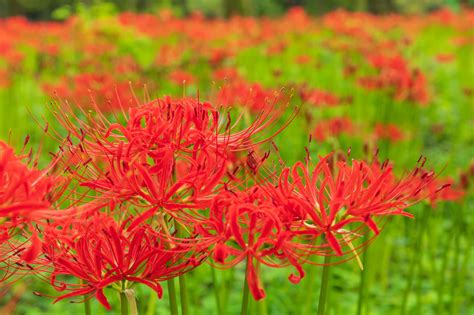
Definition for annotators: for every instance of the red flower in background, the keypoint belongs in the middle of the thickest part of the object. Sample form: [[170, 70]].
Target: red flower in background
[[92, 90], [389, 132], [180, 77], [444, 190], [247, 95], [445, 58], [394, 73], [332, 128], [319, 98]]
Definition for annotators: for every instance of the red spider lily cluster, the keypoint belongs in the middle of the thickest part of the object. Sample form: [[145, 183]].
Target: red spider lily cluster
[[99, 48], [171, 183], [393, 73], [146, 192], [337, 126], [106, 90]]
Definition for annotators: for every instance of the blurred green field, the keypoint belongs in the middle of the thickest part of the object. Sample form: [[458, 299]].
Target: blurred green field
[[413, 73]]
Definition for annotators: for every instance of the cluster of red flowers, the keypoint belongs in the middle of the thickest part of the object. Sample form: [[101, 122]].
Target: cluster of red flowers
[[101, 89], [393, 72], [172, 183], [338, 126], [99, 47]]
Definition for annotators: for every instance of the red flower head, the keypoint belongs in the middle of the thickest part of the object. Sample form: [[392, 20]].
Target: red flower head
[[103, 253], [244, 225], [25, 197], [330, 198]]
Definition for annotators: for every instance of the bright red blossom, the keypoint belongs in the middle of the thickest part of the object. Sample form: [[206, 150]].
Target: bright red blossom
[[328, 200], [103, 253]]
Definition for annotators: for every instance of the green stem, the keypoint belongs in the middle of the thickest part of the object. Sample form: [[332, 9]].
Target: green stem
[[87, 302], [463, 275], [260, 307], [123, 303], [216, 292], [183, 291], [172, 297], [132, 301], [87, 307], [442, 277], [455, 277], [245, 295], [415, 258], [363, 276], [324, 292]]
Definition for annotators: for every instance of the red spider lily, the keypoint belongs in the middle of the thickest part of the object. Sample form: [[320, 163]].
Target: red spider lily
[[226, 74], [90, 89], [253, 96], [395, 73], [388, 131], [276, 48], [244, 226], [319, 98], [179, 77], [172, 154], [103, 253], [328, 200], [333, 128], [303, 59], [466, 178], [25, 198], [445, 58], [450, 191]]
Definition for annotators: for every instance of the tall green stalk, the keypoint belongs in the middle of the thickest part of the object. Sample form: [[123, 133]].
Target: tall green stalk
[[363, 276], [172, 297], [132, 301], [324, 292], [87, 302], [415, 258], [455, 278], [123, 303], [216, 292], [245, 295], [87, 307], [442, 278], [183, 291]]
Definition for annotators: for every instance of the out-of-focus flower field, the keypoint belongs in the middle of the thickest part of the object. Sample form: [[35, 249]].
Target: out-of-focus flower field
[[391, 86]]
